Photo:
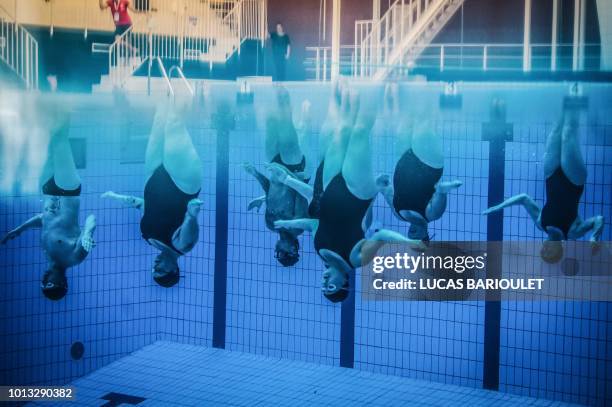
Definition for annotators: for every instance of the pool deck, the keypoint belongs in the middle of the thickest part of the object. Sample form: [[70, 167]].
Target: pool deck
[[172, 374]]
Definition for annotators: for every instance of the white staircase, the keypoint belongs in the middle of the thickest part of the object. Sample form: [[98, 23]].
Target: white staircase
[[18, 50], [392, 44], [208, 31]]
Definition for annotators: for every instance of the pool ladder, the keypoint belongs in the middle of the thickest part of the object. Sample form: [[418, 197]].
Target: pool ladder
[[167, 76]]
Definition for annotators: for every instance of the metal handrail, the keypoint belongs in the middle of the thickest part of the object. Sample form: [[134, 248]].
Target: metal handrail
[[181, 76], [164, 76], [20, 49], [484, 56]]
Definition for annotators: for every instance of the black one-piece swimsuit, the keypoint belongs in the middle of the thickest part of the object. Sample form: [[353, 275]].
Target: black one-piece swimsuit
[[562, 200], [165, 208], [340, 219]]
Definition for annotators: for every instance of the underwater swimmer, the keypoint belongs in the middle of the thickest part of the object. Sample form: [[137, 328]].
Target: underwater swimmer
[[282, 203], [416, 194], [64, 243], [345, 204], [170, 205], [565, 177]]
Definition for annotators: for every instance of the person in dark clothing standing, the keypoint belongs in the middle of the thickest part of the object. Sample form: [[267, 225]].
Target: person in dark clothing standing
[[281, 52]]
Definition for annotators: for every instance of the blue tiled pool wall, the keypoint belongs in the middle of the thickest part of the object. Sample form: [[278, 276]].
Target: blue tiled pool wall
[[556, 351]]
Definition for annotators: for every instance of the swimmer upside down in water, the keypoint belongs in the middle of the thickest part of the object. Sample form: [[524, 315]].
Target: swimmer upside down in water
[[283, 203], [344, 209], [565, 177], [416, 194], [170, 205], [64, 243]]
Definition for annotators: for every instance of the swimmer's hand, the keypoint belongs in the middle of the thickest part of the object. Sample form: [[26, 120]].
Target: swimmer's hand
[[446, 187], [194, 206], [109, 194], [127, 200], [87, 240], [13, 234], [249, 168], [278, 173], [256, 203], [383, 181], [492, 209]]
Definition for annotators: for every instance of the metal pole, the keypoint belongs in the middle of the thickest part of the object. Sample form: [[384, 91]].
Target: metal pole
[[576, 45], [527, 37], [497, 132], [555, 36], [485, 56], [335, 57], [582, 34]]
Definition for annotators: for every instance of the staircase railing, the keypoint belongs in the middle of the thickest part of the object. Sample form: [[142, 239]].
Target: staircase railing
[[127, 54], [381, 41], [18, 50], [206, 31]]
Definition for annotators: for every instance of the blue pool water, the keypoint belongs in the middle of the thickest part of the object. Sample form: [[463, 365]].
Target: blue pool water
[[552, 350]]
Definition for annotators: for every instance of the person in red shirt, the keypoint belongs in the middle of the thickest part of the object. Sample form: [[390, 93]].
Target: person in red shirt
[[121, 17]]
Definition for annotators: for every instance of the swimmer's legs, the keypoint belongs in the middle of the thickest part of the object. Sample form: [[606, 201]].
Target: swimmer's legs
[[155, 147], [427, 145], [181, 159], [403, 138], [304, 131], [288, 142], [64, 169], [357, 168], [271, 141], [572, 162], [330, 124], [552, 155], [437, 206], [338, 144]]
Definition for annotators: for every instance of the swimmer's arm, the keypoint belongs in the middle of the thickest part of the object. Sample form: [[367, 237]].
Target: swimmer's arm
[[34, 222], [384, 186], [310, 225], [300, 187], [366, 249], [127, 200], [186, 237], [261, 178], [595, 224], [279, 173], [525, 201]]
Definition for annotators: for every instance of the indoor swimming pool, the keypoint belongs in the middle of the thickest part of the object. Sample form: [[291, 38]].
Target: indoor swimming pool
[[115, 322]]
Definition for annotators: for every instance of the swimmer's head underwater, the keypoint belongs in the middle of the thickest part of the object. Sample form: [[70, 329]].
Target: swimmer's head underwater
[[552, 251], [287, 250], [335, 284], [166, 270], [54, 284]]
